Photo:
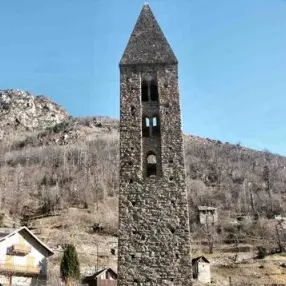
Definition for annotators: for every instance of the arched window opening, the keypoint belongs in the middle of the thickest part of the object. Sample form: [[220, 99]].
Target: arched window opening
[[155, 123], [146, 127], [147, 122], [154, 91], [151, 164], [144, 90], [155, 126]]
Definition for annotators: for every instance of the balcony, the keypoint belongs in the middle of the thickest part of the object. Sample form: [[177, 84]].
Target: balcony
[[19, 270], [19, 249]]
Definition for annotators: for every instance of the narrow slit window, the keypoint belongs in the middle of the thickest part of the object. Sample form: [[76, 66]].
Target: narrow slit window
[[151, 164], [132, 110], [144, 90], [154, 91]]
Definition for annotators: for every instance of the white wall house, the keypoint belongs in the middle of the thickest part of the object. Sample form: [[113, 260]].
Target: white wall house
[[23, 259], [201, 269]]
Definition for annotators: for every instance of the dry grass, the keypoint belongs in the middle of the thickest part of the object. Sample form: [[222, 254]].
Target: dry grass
[[80, 178], [245, 270], [74, 226]]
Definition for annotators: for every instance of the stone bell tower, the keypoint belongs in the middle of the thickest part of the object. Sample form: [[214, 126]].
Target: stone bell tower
[[154, 235]]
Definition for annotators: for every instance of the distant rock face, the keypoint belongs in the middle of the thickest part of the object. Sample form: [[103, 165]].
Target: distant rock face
[[20, 109]]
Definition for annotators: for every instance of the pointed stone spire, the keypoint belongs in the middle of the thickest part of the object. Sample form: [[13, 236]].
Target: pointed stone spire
[[147, 44]]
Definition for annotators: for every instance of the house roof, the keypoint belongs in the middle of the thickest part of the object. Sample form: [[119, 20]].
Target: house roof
[[147, 44], [99, 272], [198, 259], [25, 230]]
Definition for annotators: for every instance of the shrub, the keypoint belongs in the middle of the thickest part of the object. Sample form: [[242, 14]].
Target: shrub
[[70, 268], [262, 252], [63, 126]]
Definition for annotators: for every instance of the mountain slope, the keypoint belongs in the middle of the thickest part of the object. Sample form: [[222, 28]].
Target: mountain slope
[[51, 163], [56, 151]]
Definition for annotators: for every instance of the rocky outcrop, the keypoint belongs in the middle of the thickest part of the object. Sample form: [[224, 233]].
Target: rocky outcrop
[[22, 110]]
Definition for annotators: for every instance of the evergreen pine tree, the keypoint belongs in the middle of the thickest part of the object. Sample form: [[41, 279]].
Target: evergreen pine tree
[[70, 268]]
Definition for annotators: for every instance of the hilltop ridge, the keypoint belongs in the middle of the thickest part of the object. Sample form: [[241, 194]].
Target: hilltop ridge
[[22, 110]]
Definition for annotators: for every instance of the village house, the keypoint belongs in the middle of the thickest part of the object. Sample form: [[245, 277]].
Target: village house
[[207, 215], [103, 277], [23, 258], [201, 269]]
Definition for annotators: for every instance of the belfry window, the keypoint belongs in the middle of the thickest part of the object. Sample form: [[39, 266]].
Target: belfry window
[[146, 127], [155, 126], [155, 123], [150, 127], [145, 92], [147, 122], [151, 169], [154, 91], [149, 90]]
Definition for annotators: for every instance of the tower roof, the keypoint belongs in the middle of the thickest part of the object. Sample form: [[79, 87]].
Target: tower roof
[[147, 44]]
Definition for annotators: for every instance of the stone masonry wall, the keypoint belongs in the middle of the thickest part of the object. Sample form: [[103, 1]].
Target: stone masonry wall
[[154, 238]]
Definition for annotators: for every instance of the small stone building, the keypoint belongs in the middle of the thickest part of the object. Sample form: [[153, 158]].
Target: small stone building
[[103, 277], [207, 215], [201, 269]]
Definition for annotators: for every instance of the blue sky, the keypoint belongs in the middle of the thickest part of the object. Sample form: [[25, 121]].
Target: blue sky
[[232, 56]]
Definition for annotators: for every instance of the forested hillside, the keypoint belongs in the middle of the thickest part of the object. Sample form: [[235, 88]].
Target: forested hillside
[[74, 162]]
